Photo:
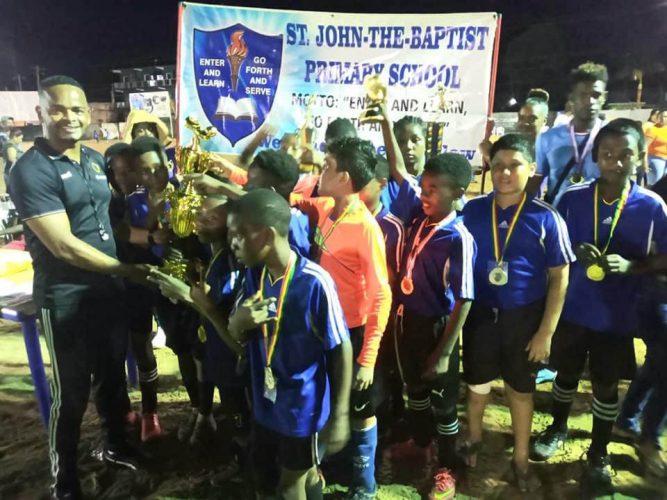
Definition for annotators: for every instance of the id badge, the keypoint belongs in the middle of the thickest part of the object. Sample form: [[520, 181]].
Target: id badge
[[270, 386]]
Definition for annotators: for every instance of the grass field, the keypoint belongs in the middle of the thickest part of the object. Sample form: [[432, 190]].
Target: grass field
[[178, 472]]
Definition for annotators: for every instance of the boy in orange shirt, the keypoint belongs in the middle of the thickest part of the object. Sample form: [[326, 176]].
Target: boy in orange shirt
[[350, 245]]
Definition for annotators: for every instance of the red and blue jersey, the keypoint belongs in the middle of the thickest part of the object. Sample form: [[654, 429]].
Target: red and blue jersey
[[312, 324], [611, 305], [540, 241]]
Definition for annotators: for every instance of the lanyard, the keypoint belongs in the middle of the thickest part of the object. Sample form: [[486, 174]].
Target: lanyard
[[617, 215], [322, 238], [580, 155], [418, 244], [271, 342], [494, 226], [104, 235]]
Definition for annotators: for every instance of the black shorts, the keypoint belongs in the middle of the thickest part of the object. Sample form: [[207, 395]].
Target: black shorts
[[272, 451], [363, 403], [416, 337], [611, 357], [494, 345], [140, 301], [180, 324]]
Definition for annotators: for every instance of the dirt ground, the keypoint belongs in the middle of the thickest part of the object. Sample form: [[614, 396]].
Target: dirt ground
[[177, 472]]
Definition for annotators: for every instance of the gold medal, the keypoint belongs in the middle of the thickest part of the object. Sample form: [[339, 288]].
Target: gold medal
[[594, 272], [201, 333], [498, 276], [407, 285], [269, 379]]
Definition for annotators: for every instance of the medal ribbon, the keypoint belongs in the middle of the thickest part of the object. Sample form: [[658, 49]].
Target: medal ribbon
[[580, 155], [418, 244], [494, 226], [322, 238], [270, 342], [617, 215]]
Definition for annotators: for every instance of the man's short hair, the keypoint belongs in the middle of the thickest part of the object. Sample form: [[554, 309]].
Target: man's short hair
[[54, 80], [357, 157], [263, 208], [281, 166], [619, 127], [15, 132], [514, 142], [589, 72], [339, 128], [455, 166]]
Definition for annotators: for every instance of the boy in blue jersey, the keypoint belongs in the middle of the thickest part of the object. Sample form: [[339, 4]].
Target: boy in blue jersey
[[147, 210], [564, 152], [269, 169], [300, 356], [521, 275], [434, 290], [214, 290], [392, 227], [613, 224], [410, 133]]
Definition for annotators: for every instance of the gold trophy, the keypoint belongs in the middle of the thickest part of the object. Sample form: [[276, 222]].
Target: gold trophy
[[376, 94], [185, 202]]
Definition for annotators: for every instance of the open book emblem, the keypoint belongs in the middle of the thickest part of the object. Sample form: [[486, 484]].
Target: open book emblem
[[236, 72], [229, 109]]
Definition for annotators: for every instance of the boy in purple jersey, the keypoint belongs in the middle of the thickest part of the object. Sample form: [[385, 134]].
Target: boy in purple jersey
[[523, 255], [614, 225], [292, 326], [433, 293]]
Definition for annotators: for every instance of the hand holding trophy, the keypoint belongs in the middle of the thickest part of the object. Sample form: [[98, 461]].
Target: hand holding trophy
[[376, 95]]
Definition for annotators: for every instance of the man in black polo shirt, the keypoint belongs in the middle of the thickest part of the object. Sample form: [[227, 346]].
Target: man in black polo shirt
[[61, 192]]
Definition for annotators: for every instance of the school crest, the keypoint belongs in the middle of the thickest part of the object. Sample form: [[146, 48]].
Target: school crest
[[237, 71]]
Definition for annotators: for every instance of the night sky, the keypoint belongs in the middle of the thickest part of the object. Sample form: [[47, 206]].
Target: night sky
[[541, 39]]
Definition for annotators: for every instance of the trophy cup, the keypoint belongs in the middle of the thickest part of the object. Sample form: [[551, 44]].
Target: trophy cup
[[376, 94], [185, 202], [435, 128]]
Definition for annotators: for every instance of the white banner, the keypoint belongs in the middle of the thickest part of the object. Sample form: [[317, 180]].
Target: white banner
[[239, 68]]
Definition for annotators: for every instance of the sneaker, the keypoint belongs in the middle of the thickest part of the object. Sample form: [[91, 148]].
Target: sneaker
[[596, 477], [360, 494], [187, 426], [204, 430], [150, 427], [547, 443], [121, 457], [653, 460], [444, 487]]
